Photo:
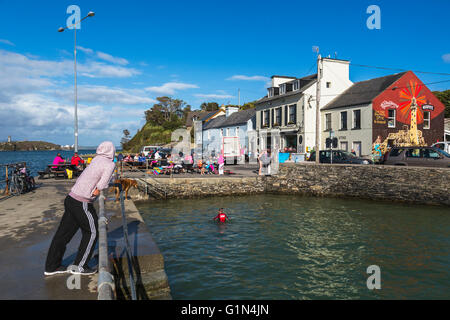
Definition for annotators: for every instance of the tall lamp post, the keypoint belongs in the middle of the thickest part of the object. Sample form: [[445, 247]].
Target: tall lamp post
[[90, 14]]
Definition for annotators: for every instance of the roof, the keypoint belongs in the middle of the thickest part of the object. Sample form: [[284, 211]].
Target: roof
[[363, 92], [235, 118], [305, 83], [197, 113], [211, 114]]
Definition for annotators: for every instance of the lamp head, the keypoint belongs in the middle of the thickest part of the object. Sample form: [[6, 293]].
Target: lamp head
[[91, 14], [61, 29]]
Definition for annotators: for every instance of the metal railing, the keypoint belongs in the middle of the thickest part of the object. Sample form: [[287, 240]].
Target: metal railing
[[105, 279]]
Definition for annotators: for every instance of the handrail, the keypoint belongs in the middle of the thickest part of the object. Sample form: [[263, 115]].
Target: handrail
[[105, 285], [127, 244], [105, 279]]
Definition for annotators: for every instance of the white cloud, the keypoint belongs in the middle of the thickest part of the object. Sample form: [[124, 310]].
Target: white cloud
[[248, 78], [213, 96], [85, 50], [110, 58], [171, 87], [107, 95], [446, 58], [7, 42]]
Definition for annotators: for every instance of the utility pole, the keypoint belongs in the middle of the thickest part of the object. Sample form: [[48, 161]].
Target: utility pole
[[239, 97], [319, 76]]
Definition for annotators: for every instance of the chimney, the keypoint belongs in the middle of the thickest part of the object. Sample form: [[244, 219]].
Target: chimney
[[229, 110]]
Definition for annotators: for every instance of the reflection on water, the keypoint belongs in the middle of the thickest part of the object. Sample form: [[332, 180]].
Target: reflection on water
[[287, 247]]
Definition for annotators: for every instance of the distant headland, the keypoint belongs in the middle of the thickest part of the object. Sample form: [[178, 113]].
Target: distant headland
[[30, 146]]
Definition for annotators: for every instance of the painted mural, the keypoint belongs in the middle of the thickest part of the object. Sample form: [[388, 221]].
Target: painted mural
[[406, 114]]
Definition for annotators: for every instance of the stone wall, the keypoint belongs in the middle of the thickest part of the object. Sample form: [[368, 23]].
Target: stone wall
[[410, 184]]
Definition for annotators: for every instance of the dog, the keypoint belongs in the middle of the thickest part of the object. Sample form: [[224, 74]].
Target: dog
[[126, 185]]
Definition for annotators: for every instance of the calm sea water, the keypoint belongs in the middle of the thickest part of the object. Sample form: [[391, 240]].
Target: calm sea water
[[36, 160], [288, 247]]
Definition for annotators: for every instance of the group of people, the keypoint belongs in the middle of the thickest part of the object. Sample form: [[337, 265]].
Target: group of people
[[76, 162]]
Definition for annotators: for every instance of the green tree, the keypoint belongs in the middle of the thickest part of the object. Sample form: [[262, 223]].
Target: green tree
[[444, 97], [209, 106], [125, 139]]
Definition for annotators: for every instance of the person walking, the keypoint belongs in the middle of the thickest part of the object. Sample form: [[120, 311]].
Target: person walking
[[221, 162], [79, 213]]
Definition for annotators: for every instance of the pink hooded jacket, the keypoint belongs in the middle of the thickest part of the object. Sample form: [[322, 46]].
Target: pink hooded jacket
[[96, 175]]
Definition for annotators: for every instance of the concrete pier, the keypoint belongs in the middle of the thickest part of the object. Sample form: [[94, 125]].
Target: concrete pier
[[27, 225]]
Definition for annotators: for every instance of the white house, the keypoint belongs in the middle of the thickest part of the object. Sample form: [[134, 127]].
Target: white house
[[290, 105]]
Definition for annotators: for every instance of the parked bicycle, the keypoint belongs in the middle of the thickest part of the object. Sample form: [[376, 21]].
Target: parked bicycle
[[21, 180]]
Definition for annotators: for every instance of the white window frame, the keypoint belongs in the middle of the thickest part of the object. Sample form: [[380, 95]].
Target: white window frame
[[394, 118], [427, 120], [270, 92], [228, 132], [296, 85], [346, 120], [326, 122], [354, 119], [344, 142], [282, 88], [237, 131]]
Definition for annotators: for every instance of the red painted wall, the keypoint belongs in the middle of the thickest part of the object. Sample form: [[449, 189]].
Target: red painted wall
[[398, 96]]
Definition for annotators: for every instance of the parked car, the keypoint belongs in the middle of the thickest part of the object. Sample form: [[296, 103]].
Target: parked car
[[339, 156], [149, 149], [443, 146], [418, 156]]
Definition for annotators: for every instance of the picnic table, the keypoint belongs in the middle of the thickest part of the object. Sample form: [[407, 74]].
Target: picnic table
[[57, 170]]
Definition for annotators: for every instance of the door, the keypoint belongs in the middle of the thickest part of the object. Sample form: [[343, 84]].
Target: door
[[357, 148]]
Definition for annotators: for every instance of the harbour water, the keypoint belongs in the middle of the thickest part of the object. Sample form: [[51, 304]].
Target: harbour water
[[291, 247]]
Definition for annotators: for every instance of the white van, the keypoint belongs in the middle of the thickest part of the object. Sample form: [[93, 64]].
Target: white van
[[147, 149], [443, 146]]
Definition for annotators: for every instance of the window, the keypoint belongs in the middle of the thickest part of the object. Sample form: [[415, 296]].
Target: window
[[356, 119], [283, 88], [344, 145], [221, 133], [292, 114], [277, 116], [431, 154], [328, 84], [266, 118], [285, 115], [237, 131], [296, 85], [426, 119], [344, 120], [228, 132], [391, 118], [269, 92], [328, 122], [395, 152], [413, 153]]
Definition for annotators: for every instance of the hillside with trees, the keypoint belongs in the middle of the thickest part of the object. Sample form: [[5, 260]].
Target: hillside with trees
[[165, 116]]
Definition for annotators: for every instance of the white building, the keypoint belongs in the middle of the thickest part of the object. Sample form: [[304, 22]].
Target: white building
[[290, 105]]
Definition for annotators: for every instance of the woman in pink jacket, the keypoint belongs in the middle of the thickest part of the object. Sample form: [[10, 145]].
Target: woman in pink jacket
[[79, 213]]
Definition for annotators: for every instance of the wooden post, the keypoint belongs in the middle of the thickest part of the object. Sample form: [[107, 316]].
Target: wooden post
[[6, 192]]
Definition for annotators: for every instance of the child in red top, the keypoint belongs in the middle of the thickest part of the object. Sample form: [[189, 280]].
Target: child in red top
[[222, 217]]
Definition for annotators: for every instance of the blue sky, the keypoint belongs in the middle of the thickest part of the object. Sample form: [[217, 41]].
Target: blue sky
[[134, 51]]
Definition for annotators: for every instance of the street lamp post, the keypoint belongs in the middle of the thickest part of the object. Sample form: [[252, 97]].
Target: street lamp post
[[90, 14]]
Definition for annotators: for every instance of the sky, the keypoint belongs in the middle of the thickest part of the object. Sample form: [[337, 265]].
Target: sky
[[133, 51]]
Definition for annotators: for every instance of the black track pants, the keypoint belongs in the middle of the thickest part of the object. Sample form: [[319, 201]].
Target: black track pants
[[76, 215]]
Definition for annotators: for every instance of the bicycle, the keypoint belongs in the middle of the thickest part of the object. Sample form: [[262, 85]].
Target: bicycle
[[21, 181]]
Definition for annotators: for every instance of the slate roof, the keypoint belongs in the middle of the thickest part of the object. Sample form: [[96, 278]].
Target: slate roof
[[234, 119], [305, 83], [363, 92], [197, 113]]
